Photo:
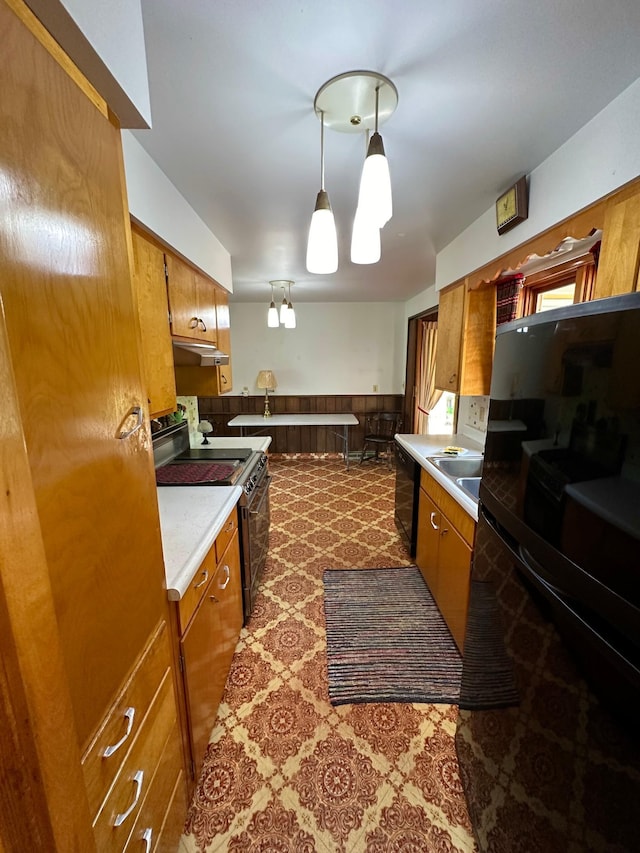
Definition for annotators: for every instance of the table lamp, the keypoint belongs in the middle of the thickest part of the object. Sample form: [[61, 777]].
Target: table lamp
[[267, 380], [204, 428]]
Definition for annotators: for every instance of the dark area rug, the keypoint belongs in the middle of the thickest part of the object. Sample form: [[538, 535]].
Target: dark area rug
[[386, 639]]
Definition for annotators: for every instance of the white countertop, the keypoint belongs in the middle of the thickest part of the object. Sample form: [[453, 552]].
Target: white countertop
[[253, 442], [423, 447], [190, 519]]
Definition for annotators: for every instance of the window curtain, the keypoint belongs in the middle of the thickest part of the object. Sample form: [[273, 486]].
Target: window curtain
[[427, 394], [508, 293]]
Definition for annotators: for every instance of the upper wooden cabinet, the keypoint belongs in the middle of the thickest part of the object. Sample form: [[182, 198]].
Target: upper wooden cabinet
[[466, 332], [192, 302], [224, 339], [155, 334], [619, 260]]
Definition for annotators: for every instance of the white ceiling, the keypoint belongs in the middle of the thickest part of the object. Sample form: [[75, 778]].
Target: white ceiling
[[487, 90]]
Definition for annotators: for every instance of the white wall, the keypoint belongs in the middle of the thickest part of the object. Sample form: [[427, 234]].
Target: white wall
[[106, 41], [336, 348], [157, 204], [599, 158]]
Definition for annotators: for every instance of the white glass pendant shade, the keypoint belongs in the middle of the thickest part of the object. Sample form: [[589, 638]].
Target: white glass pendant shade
[[322, 246], [365, 239], [375, 184], [283, 309], [290, 318], [272, 316]]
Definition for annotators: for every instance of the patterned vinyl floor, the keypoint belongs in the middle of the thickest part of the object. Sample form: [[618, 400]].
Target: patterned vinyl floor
[[285, 772]]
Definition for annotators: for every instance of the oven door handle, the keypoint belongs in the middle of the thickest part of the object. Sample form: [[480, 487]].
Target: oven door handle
[[255, 511]]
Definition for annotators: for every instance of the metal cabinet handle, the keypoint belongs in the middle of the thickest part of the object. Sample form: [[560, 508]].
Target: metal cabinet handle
[[433, 524], [136, 412], [229, 526], [137, 781], [129, 714], [201, 324], [147, 836], [224, 379], [443, 531], [193, 323], [205, 578], [452, 377], [228, 574]]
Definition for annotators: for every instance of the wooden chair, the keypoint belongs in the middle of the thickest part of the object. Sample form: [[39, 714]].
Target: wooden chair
[[380, 428]]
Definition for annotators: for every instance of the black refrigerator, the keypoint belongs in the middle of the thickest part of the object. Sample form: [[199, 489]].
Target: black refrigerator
[[547, 731]]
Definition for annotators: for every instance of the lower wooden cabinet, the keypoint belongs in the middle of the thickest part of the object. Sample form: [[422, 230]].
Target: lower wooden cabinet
[[208, 639], [134, 767], [443, 553]]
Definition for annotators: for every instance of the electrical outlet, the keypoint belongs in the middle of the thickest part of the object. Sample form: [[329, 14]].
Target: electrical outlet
[[481, 414]]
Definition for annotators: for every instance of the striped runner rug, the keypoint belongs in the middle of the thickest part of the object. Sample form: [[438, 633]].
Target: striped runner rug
[[386, 639]]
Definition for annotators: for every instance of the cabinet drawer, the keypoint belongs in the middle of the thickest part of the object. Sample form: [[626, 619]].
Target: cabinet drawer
[[151, 819], [132, 784], [226, 534], [123, 722], [193, 596]]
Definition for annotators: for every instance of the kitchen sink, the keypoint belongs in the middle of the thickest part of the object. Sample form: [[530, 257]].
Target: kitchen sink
[[460, 467], [470, 485]]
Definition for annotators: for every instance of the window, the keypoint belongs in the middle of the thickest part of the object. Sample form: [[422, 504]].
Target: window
[[562, 285]]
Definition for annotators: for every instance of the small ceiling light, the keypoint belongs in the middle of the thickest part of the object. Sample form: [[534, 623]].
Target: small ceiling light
[[290, 316], [375, 182], [322, 245], [272, 315]]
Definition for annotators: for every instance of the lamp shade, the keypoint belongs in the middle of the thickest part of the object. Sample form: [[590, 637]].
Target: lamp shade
[[266, 380], [375, 183], [273, 320], [322, 246]]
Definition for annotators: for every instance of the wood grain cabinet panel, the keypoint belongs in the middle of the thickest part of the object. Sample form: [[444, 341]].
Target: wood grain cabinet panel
[[207, 649], [191, 300], [155, 333], [466, 332], [619, 261], [443, 553]]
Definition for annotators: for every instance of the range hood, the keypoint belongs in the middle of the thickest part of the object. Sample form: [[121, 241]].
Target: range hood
[[198, 355]]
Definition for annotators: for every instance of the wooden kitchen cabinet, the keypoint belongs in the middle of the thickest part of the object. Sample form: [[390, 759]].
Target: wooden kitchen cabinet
[[443, 553], [192, 302], [72, 382], [209, 624], [223, 325], [466, 332], [619, 261], [155, 333]]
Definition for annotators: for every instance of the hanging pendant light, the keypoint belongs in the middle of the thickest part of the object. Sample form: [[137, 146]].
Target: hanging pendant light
[[284, 307], [375, 182], [365, 236], [290, 316], [272, 314], [322, 245]]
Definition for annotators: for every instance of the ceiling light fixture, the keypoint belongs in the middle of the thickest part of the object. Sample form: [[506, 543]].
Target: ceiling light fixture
[[322, 244], [286, 317], [350, 103]]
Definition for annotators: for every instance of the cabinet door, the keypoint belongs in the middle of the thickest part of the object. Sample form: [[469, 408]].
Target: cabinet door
[[620, 252], [454, 569], [183, 297], [207, 649], [223, 342], [206, 296], [73, 332], [155, 333], [428, 541], [450, 317]]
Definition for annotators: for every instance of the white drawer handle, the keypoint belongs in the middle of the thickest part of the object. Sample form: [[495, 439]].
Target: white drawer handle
[[129, 714], [228, 574], [433, 524], [137, 781], [205, 578], [146, 837]]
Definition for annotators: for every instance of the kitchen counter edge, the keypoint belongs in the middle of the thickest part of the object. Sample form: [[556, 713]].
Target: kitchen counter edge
[[190, 519], [423, 448]]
